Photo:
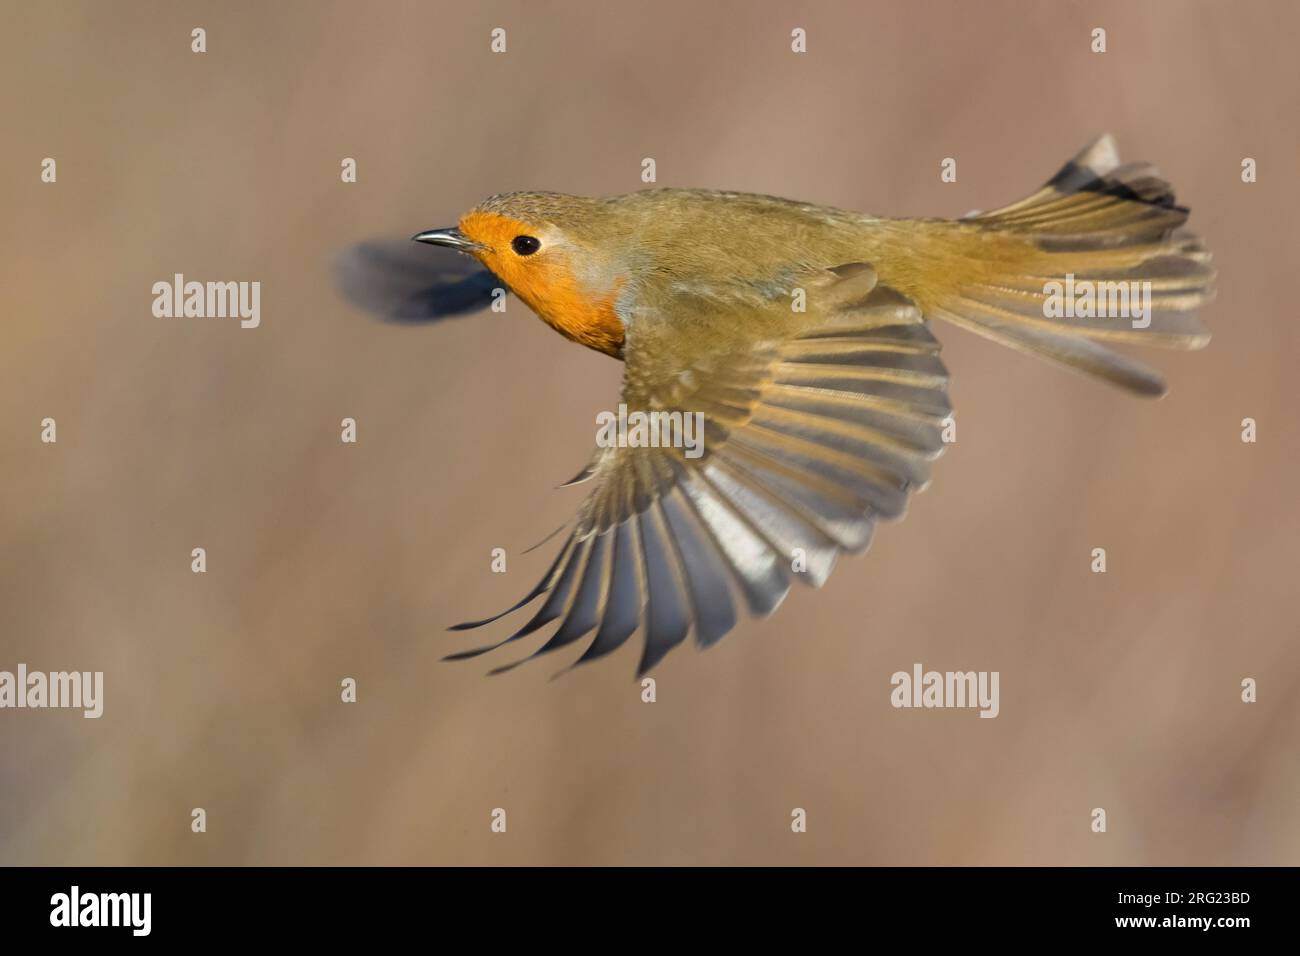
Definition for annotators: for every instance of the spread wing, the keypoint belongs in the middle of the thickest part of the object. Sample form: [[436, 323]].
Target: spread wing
[[816, 424], [410, 282]]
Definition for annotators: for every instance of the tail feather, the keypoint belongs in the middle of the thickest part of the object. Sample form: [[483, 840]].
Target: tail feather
[[1100, 252]]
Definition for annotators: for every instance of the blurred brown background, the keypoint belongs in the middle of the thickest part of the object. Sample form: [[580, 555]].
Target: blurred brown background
[[329, 560]]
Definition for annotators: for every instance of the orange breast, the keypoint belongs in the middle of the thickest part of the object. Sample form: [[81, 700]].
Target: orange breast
[[575, 314]]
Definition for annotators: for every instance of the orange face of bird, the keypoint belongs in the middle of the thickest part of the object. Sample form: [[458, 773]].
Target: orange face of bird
[[566, 284]]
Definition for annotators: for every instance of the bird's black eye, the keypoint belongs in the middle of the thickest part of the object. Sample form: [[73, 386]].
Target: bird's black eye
[[525, 245]]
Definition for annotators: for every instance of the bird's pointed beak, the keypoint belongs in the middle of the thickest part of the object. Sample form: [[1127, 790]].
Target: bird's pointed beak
[[452, 238]]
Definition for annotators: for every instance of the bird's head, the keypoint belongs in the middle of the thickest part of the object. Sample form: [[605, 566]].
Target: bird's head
[[556, 253]]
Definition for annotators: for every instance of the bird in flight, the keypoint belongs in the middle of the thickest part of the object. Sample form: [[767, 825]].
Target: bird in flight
[[802, 334]]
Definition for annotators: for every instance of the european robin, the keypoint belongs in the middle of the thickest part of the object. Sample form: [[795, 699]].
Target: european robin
[[800, 335]]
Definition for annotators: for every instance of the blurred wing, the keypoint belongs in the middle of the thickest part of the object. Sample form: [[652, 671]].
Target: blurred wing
[[412, 282], [816, 423]]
